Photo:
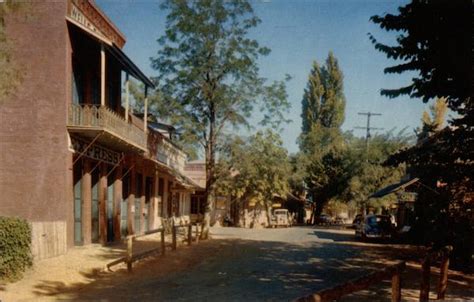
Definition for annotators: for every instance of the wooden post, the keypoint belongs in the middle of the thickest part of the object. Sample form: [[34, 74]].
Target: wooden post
[[86, 202], [197, 232], [142, 201], [396, 287], [145, 110], [131, 201], [163, 243], [103, 204], [102, 75], [173, 233], [164, 202], [129, 253], [190, 234], [425, 279], [117, 202], [443, 277], [127, 96]]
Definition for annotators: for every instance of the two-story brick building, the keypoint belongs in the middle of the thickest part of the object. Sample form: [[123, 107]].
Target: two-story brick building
[[75, 160]]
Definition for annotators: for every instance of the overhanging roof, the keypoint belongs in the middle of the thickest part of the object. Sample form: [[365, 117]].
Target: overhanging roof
[[393, 188], [128, 64], [114, 50]]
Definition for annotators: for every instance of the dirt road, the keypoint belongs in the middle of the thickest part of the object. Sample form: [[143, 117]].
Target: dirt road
[[252, 265]]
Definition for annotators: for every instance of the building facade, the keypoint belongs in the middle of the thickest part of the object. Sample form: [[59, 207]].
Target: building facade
[[75, 160]]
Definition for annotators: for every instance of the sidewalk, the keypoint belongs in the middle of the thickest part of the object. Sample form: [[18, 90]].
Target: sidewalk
[[80, 265]]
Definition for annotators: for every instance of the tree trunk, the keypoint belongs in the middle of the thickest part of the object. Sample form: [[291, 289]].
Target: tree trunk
[[210, 175], [269, 214]]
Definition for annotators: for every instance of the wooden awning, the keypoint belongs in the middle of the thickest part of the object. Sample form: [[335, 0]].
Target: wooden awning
[[116, 52]]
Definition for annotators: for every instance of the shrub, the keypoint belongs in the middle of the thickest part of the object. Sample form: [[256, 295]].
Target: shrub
[[15, 252]]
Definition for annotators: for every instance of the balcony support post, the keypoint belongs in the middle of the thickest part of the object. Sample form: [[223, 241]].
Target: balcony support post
[[102, 75], [145, 110], [127, 96]]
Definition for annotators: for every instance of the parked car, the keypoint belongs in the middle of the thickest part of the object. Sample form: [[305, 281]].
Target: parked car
[[375, 226], [339, 220], [324, 219], [280, 217], [357, 220]]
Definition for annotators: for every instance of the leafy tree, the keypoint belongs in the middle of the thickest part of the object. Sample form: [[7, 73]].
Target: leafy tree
[[321, 142], [323, 100], [435, 122], [209, 76], [369, 177], [257, 168], [432, 44]]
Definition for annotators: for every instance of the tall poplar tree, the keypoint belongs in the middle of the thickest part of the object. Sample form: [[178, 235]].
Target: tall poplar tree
[[323, 107], [209, 77]]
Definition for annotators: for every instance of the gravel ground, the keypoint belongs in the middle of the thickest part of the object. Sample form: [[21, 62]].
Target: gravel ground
[[245, 265]]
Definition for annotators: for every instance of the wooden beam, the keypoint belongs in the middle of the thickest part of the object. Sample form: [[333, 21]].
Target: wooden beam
[[103, 204], [86, 202], [102, 75], [145, 110], [443, 277], [425, 279], [127, 96], [117, 202], [131, 202]]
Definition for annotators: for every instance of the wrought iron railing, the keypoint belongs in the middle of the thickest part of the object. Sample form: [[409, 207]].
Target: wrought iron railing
[[92, 116]]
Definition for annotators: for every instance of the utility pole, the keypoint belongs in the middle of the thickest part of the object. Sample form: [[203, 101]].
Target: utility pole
[[368, 128]]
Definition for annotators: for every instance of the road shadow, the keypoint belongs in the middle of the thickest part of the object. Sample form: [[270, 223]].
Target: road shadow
[[236, 270], [335, 235]]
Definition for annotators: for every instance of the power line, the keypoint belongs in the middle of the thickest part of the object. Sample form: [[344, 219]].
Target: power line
[[368, 128]]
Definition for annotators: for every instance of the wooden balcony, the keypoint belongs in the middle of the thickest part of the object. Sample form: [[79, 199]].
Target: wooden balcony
[[115, 132]]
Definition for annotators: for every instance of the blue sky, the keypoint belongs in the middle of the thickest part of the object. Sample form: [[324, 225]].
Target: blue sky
[[298, 32]]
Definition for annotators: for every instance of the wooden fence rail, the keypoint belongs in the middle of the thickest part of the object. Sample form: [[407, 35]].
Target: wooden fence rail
[[361, 283], [130, 257]]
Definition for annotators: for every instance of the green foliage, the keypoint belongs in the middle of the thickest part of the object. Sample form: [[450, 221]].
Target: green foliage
[[15, 241], [435, 122], [321, 142], [323, 100], [208, 73], [431, 44], [369, 177], [256, 167]]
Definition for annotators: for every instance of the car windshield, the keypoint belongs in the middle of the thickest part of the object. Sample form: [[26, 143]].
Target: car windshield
[[377, 220]]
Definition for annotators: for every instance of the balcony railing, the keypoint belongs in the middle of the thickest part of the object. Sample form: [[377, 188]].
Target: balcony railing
[[102, 118]]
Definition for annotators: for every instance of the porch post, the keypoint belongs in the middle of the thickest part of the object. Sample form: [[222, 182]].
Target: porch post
[[87, 202], [145, 110], [102, 75], [154, 201], [131, 201], [165, 197], [103, 204], [142, 201], [127, 95], [117, 202]]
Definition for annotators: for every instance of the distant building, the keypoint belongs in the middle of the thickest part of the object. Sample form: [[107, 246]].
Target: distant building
[[76, 161]]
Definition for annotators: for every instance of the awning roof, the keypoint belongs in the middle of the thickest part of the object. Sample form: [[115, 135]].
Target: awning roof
[[113, 49], [393, 188], [128, 64]]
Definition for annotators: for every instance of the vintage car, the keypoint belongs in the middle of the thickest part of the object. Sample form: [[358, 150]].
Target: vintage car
[[280, 217], [375, 226]]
